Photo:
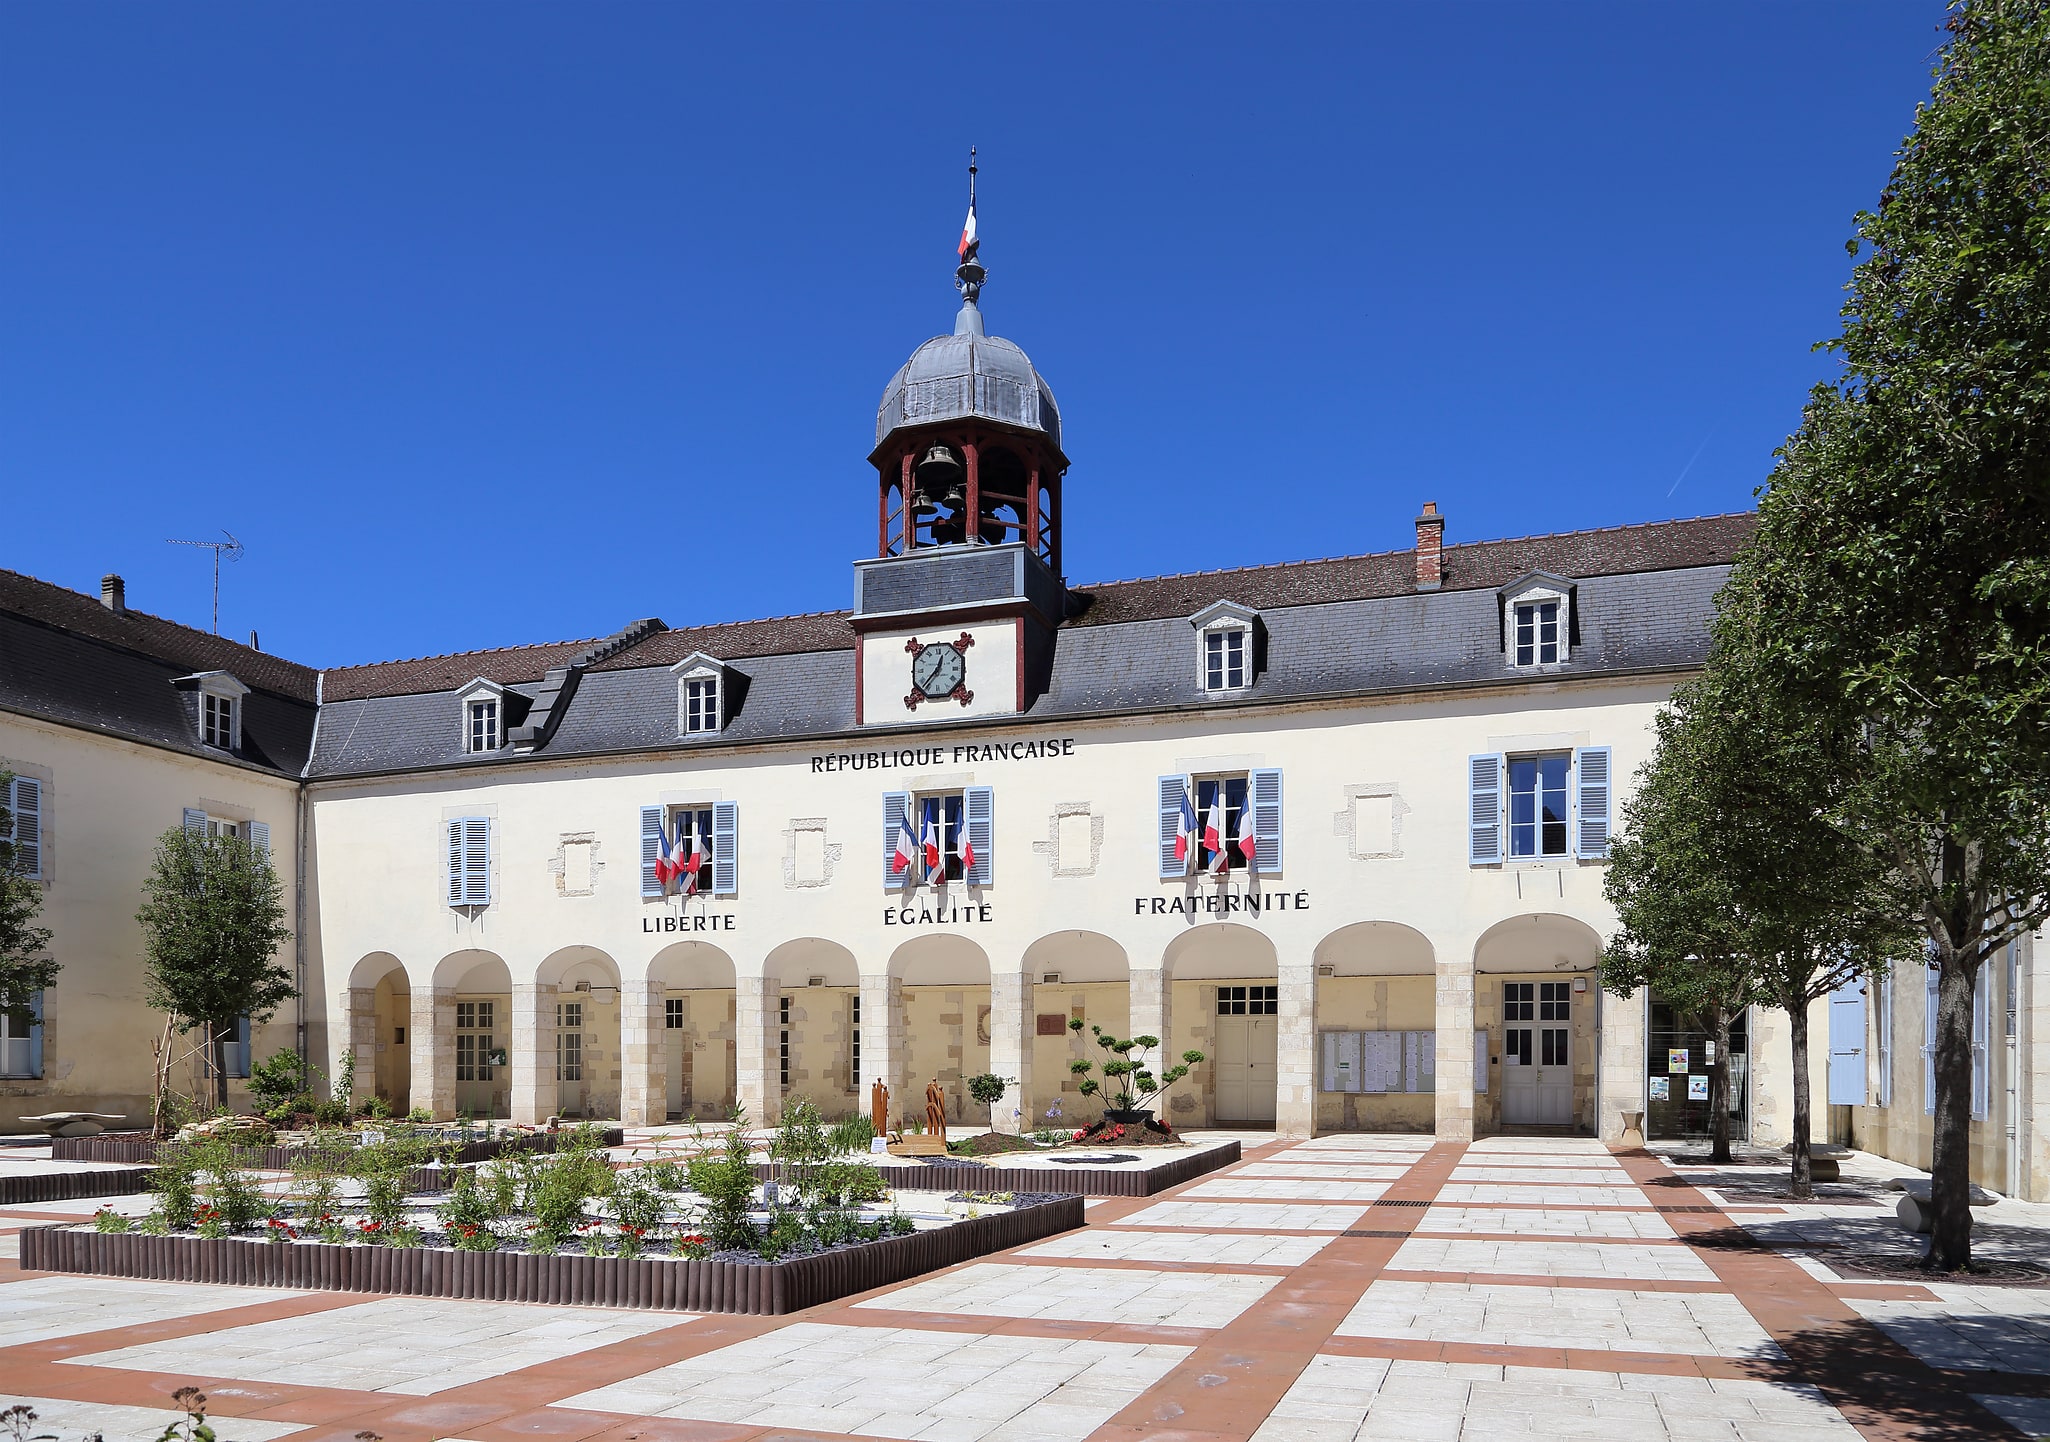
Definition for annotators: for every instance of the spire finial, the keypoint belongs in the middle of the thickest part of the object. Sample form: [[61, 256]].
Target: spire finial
[[969, 275]]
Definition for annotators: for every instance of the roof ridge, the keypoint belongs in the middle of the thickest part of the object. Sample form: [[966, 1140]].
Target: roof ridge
[[130, 611], [1406, 550], [453, 655]]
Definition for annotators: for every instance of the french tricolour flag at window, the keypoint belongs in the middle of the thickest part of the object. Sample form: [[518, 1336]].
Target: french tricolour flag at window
[[1185, 832], [689, 865], [1213, 833], [1248, 843], [665, 856], [935, 861], [907, 847]]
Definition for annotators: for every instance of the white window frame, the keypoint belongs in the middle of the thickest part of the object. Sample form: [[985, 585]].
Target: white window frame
[[18, 1051], [225, 693], [700, 678], [1509, 851], [481, 692], [481, 715], [569, 1041], [1534, 597], [1222, 622]]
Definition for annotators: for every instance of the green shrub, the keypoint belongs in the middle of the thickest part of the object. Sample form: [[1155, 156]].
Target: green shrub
[[106, 1219], [852, 1135], [155, 1224], [274, 1082], [175, 1180], [726, 1181], [638, 1202], [844, 1184], [406, 1237], [784, 1235]]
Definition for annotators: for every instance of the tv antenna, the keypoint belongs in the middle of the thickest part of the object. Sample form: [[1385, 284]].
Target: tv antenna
[[230, 549]]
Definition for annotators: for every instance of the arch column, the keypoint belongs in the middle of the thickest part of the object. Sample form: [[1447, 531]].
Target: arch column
[[432, 1043], [1620, 1033], [358, 1007], [1152, 1004], [756, 1076], [535, 1093], [885, 1056], [1010, 1048], [1295, 1041], [643, 1062], [1455, 1013]]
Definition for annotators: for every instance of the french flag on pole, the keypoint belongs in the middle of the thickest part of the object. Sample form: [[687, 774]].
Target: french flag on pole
[[665, 862], [1213, 833], [969, 242], [907, 848], [935, 862], [691, 863], [1248, 843], [1185, 832]]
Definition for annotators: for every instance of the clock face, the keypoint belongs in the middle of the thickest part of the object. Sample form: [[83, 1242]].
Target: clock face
[[937, 670]]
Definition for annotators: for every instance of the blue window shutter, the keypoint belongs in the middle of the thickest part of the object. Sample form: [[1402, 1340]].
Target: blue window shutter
[[1591, 772], [894, 805], [1847, 1045], [1264, 796], [195, 823], [26, 805], [1982, 1034], [1172, 790], [477, 860], [725, 848], [1929, 1042], [35, 1036], [979, 804], [259, 838], [455, 863], [238, 1049], [1483, 809], [1882, 1028], [651, 848]]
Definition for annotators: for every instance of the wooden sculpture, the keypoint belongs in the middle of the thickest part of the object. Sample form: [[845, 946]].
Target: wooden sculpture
[[879, 1107]]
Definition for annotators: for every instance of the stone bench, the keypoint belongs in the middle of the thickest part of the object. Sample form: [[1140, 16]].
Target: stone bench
[[74, 1124], [1914, 1209]]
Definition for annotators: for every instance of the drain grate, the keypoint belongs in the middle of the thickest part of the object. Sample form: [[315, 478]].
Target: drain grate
[[1670, 1207], [1362, 1232], [1386, 1202]]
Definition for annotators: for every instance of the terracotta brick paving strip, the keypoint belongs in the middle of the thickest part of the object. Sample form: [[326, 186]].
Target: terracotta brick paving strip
[[1882, 1388]]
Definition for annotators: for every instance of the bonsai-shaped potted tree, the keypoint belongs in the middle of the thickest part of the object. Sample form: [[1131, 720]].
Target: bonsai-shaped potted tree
[[989, 1089], [1129, 1086]]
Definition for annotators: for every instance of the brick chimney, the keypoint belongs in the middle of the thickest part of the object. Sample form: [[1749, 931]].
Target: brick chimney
[[1430, 540], [113, 592]]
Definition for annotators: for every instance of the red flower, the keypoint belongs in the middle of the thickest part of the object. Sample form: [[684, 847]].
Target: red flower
[[1080, 1132]]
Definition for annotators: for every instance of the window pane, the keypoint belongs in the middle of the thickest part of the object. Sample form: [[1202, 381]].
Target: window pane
[[1525, 629], [1553, 781], [1213, 659], [1548, 632], [951, 836]]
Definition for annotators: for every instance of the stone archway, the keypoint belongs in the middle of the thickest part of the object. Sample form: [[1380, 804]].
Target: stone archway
[[823, 1029], [694, 1039], [1537, 998], [1377, 1029], [1226, 991], [588, 1064], [1072, 976], [942, 991], [376, 1008]]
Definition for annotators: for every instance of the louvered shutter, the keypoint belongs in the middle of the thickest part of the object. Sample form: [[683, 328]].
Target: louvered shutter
[[1263, 794], [477, 860], [259, 838], [1847, 1045], [894, 806], [35, 1036], [725, 848], [1929, 1041], [1882, 1037], [26, 804], [1171, 791], [238, 1049], [1982, 1032], [651, 850], [455, 863], [195, 823], [1591, 773], [1483, 809], [978, 806]]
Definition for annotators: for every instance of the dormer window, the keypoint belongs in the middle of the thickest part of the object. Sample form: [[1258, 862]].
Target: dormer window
[[1228, 654], [484, 717], [1539, 626], [702, 695], [213, 701]]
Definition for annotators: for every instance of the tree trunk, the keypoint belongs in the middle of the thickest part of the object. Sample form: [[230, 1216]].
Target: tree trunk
[[1719, 1087], [217, 1054], [1950, 1172], [1802, 1182]]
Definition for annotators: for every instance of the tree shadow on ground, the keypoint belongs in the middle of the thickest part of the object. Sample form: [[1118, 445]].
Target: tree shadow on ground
[[1871, 1378]]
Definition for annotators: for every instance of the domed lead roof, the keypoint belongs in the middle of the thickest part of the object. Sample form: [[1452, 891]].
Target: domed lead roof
[[968, 374]]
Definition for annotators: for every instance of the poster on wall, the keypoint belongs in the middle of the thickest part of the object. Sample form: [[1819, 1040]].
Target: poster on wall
[[1697, 1089], [1661, 1089], [1676, 1060]]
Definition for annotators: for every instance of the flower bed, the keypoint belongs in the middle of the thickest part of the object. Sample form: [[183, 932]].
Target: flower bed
[[140, 1147], [1084, 1181]]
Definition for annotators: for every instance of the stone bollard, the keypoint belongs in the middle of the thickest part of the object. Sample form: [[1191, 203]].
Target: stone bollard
[[1633, 1130]]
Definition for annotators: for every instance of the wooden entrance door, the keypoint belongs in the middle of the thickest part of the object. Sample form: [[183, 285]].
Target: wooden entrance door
[[1537, 1053], [1246, 1054]]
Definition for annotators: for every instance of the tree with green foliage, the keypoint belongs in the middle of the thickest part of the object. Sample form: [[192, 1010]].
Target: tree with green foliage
[[26, 966], [213, 918], [1904, 538]]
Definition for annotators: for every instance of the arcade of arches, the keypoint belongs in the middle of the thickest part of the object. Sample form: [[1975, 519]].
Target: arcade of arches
[[1375, 1030]]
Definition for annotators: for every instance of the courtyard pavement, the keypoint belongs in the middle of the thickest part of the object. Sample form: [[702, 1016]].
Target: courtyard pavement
[[1351, 1287]]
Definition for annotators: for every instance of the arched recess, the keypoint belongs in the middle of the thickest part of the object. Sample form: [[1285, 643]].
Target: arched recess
[[587, 1051], [815, 989], [1074, 976], [483, 1023], [1220, 950], [1226, 1004], [946, 1002], [699, 1038], [380, 1011], [1377, 1019], [1535, 995]]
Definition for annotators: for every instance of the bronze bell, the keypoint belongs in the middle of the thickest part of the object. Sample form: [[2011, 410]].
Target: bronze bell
[[939, 473]]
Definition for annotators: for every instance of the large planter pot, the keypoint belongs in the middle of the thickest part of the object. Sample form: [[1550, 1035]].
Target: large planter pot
[[1128, 1116]]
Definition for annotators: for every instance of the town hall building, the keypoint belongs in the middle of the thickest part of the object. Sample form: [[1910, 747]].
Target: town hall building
[[1341, 825]]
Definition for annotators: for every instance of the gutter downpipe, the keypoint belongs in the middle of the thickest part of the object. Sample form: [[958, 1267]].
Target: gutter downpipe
[[299, 879]]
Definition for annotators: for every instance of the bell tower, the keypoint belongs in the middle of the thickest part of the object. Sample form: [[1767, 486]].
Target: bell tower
[[965, 587]]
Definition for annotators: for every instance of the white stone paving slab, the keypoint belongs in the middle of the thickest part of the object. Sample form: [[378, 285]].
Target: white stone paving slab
[[1085, 1294], [1304, 1191], [1538, 1195], [416, 1346], [1544, 1176], [899, 1382], [1238, 1249], [2028, 1415], [2004, 1329], [1368, 1399], [1247, 1216], [1325, 1170], [1624, 1261], [62, 1306], [1697, 1324], [1545, 1222], [135, 1424]]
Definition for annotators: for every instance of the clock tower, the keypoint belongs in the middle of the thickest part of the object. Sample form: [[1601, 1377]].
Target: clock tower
[[955, 614]]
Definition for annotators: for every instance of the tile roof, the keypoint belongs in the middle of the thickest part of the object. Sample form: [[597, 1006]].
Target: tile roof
[[508, 665], [152, 636]]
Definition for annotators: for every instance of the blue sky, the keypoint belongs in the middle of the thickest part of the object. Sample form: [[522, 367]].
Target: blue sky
[[483, 325]]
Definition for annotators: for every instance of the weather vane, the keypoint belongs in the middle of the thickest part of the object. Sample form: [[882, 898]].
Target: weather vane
[[969, 276]]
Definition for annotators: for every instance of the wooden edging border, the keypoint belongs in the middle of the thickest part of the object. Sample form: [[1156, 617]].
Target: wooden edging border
[[1075, 1181], [279, 1159], [67, 1186], [769, 1288]]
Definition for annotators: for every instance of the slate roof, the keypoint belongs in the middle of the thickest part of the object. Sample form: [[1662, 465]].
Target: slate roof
[[65, 656]]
